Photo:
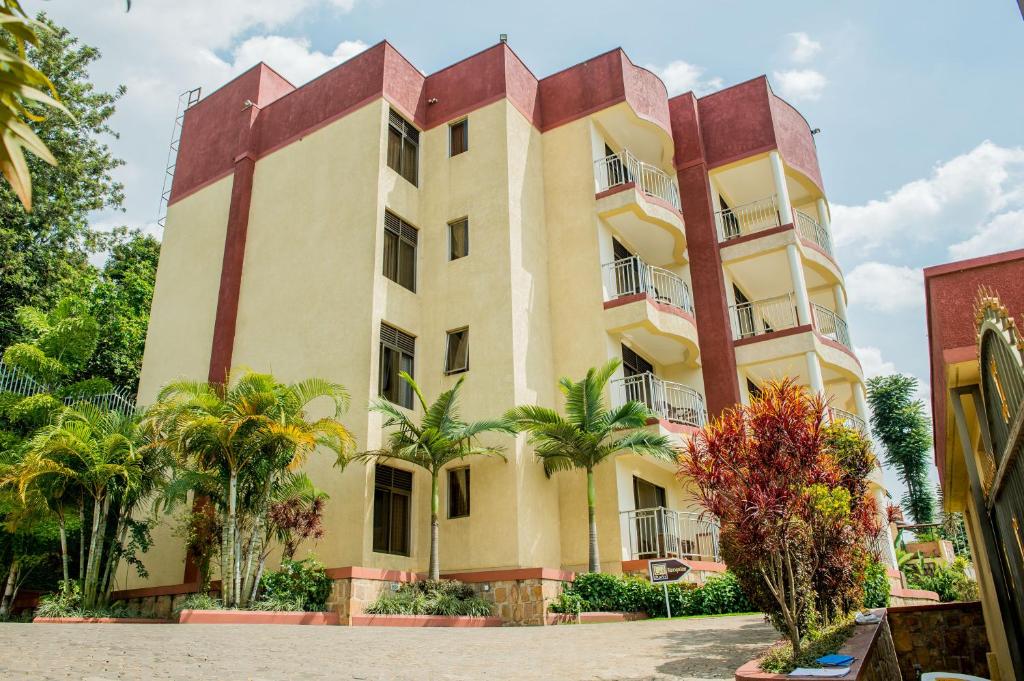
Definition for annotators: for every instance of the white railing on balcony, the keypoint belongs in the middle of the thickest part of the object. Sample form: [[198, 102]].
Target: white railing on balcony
[[813, 232], [632, 276], [663, 533], [623, 168], [830, 325], [13, 380], [748, 218], [849, 419], [758, 317], [667, 400]]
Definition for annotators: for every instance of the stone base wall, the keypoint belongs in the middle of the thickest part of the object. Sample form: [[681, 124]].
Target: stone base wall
[[520, 601], [160, 607], [881, 663], [948, 637]]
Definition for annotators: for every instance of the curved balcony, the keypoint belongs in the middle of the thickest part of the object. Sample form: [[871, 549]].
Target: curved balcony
[[812, 232], [661, 532], [633, 276], [848, 419], [641, 202], [831, 326], [760, 317], [749, 218], [667, 400]]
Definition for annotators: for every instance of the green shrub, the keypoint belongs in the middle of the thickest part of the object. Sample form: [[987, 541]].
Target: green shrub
[[826, 641], [950, 582], [876, 586], [199, 601], [602, 592], [278, 604], [65, 602], [721, 595], [568, 603], [301, 582], [447, 598]]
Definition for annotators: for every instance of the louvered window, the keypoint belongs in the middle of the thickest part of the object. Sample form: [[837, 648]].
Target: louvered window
[[403, 147], [400, 239], [392, 492], [397, 352]]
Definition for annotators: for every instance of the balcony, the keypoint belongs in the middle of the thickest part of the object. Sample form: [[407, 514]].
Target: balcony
[[663, 533], [831, 325], [811, 231], [758, 317], [632, 276], [667, 400], [624, 168], [848, 419], [747, 219]]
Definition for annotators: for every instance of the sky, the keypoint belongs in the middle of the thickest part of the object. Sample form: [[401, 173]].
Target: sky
[[920, 104]]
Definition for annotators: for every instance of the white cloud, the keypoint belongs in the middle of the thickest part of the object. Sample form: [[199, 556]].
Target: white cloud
[[680, 76], [804, 48], [872, 363], [885, 288], [1004, 232], [800, 84], [967, 195], [292, 57]]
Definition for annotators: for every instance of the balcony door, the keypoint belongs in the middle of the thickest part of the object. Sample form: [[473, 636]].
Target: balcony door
[[652, 539], [641, 388], [627, 271]]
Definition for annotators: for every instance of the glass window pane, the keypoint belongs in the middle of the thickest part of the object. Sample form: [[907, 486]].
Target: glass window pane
[[390, 255], [394, 150], [458, 238], [399, 523], [404, 389], [458, 493], [459, 141], [388, 373], [409, 155], [381, 519], [457, 357], [406, 265]]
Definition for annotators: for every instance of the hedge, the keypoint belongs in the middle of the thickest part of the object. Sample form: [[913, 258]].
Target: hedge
[[616, 593]]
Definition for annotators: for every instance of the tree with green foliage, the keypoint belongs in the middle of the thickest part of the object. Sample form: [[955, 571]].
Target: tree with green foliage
[[440, 438], [899, 422], [589, 434], [44, 255]]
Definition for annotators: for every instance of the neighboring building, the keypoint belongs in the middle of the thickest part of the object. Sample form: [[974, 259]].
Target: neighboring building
[[481, 222], [977, 381]]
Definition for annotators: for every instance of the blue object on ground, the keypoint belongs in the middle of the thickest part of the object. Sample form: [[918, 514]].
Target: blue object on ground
[[835, 660]]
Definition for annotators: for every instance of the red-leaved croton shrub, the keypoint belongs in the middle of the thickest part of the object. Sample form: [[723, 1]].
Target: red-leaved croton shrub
[[790, 492]]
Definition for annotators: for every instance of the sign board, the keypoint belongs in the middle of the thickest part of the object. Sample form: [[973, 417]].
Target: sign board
[[667, 570]]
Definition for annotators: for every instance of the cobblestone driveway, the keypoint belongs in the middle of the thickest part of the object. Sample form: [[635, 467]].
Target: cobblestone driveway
[[709, 648]]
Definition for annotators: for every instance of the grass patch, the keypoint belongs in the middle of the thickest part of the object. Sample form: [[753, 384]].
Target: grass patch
[[827, 641]]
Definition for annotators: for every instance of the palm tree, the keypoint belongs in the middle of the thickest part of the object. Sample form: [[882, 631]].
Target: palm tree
[[588, 435], [246, 435], [440, 438]]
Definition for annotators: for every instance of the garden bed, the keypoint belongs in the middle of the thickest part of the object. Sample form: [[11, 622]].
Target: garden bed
[[256, 617], [100, 620], [423, 621], [594, 617]]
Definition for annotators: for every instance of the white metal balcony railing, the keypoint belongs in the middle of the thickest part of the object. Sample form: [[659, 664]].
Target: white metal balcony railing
[[849, 419], [631, 276], [748, 218], [663, 533], [757, 317], [13, 380], [814, 232], [623, 168], [667, 400], [831, 325]]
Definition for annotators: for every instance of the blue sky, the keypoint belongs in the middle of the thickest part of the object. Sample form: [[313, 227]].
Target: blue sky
[[920, 103]]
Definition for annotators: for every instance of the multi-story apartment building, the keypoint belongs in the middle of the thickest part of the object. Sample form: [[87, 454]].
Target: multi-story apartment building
[[480, 222]]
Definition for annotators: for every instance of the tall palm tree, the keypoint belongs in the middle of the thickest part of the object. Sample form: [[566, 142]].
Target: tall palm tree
[[588, 435], [247, 434], [438, 439]]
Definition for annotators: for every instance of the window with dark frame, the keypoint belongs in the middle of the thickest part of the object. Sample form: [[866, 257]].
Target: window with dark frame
[[392, 493], [403, 147], [400, 240], [458, 492], [456, 358], [458, 137], [458, 238], [397, 353]]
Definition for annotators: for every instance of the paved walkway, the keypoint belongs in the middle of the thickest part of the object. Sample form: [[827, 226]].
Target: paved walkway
[[707, 648]]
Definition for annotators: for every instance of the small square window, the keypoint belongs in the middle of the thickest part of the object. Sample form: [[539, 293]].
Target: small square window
[[458, 137], [458, 239], [458, 492], [457, 355]]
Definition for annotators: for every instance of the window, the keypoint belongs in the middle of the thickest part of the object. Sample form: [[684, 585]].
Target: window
[[403, 147], [392, 491], [647, 494], [457, 355], [400, 239], [458, 238], [638, 384], [397, 350], [633, 364], [458, 137], [458, 492]]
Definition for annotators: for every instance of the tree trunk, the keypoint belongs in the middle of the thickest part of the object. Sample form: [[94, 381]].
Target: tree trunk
[[96, 569], [81, 540], [228, 580], [224, 556], [595, 558], [91, 558], [435, 503], [8, 598], [63, 548], [255, 545], [120, 535]]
